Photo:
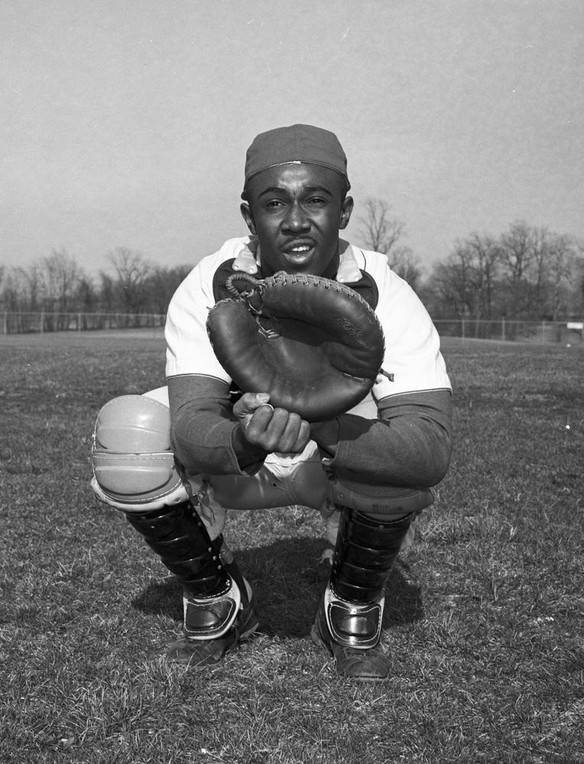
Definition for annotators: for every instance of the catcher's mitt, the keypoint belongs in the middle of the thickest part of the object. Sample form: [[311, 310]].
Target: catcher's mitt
[[315, 345]]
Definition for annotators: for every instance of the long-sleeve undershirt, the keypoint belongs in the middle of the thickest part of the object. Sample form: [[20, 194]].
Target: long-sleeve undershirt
[[409, 444]]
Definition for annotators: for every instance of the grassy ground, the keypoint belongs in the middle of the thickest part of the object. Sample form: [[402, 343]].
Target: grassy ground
[[485, 618]]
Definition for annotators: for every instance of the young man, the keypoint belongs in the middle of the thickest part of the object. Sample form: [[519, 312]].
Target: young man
[[370, 471]]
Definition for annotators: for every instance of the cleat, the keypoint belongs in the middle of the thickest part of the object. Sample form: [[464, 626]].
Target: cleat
[[355, 644], [218, 604], [194, 650], [348, 622]]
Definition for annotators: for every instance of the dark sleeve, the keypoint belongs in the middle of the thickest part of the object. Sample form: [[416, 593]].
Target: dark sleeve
[[205, 436], [409, 444]]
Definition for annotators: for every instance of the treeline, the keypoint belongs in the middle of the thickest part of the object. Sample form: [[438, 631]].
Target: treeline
[[526, 273], [57, 285]]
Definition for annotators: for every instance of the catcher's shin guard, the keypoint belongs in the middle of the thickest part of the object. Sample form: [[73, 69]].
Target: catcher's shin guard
[[217, 600], [349, 620]]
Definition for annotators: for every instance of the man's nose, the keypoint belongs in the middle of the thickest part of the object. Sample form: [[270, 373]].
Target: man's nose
[[297, 219]]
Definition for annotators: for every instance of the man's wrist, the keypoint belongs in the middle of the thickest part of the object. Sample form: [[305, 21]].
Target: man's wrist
[[246, 453], [326, 434]]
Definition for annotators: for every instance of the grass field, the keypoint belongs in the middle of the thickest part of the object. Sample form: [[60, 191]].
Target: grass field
[[485, 618]]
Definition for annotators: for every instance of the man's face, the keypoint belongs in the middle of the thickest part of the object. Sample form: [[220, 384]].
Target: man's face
[[296, 211]]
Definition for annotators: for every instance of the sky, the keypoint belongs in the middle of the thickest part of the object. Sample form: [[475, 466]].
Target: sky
[[124, 123]]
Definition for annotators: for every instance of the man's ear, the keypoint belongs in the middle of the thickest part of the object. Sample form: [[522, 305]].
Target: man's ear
[[346, 210], [247, 215]]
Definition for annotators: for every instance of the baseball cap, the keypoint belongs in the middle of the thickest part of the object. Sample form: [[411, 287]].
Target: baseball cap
[[296, 143]]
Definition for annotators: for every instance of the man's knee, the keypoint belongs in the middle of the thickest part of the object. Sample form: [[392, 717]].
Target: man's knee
[[384, 502], [134, 468], [381, 503]]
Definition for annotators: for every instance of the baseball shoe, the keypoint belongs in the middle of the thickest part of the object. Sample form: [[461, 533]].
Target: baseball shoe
[[199, 646], [365, 664]]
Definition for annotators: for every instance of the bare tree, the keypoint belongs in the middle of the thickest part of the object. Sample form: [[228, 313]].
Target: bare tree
[[131, 274], [478, 258], [561, 265], [22, 295], [62, 275], [525, 273], [578, 305], [538, 270], [522, 259], [381, 232], [452, 284], [23, 289], [162, 284]]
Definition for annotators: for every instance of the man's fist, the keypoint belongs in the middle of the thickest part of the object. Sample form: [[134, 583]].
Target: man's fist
[[269, 428]]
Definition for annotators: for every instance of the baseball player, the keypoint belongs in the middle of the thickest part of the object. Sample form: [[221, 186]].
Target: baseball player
[[176, 459]]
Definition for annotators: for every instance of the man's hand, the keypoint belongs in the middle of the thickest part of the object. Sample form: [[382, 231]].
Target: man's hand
[[269, 428]]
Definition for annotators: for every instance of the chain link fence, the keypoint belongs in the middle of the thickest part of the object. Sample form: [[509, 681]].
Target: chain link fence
[[543, 332], [40, 322]]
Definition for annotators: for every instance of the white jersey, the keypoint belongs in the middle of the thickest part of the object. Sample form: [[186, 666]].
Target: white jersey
[[412, 363]]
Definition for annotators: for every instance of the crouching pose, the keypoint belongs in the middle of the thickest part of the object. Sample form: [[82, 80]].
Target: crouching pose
[[176, 459]]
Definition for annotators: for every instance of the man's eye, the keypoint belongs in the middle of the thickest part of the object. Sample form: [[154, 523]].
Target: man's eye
[[274, 203], [316, 201]]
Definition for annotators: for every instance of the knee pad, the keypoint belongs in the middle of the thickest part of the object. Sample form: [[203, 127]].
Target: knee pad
[[134, 468], [387, 500]]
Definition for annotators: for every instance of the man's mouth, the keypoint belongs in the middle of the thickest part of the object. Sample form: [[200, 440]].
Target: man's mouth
[[299, 248]]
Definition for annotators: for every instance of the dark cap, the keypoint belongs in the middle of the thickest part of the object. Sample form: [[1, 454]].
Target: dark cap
[[296, 143]]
